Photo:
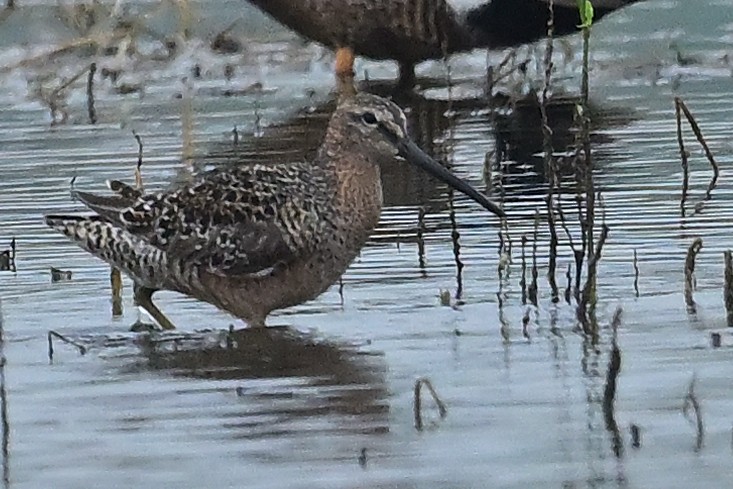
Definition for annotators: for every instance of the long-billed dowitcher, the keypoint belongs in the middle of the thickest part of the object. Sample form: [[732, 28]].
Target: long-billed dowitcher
[[251, 239], [411, 31]]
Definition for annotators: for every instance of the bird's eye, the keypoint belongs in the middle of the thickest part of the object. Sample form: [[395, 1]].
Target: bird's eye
[[369, 118]]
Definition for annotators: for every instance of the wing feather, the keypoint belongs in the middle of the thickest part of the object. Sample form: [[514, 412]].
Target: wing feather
[[231, 221]]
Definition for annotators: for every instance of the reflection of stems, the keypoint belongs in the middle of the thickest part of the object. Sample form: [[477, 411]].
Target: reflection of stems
[[421, 239], [692, 252], [455, 237], [4, 407], [609, 393], [728, 288], [588, 296], [589, 187], [586, 201], [691, 402], [636, 274], [533, 285], [523, 280], [187, 143]]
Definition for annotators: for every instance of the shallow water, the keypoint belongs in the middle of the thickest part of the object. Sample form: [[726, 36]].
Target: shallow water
[[328, 401]]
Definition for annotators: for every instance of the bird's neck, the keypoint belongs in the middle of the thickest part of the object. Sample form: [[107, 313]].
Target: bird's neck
[[357, 185]]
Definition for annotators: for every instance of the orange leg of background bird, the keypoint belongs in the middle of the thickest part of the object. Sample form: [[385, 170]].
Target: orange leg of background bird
[[345, 70]]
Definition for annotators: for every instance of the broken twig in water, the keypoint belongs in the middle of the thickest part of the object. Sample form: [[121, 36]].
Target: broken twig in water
[[683, 158], [7, 258], [115, 280], [53, 334], [417, 406], [680, 107], [692, 403], [635, 436], [692, 252], [58, 275]]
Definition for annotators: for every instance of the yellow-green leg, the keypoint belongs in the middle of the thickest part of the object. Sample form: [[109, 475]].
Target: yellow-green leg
[[144, 299]]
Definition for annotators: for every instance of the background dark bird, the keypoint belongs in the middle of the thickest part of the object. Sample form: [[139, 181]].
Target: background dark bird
[[411, 31]]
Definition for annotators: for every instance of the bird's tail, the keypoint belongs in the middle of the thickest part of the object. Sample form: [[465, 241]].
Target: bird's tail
[[115, 245], [506, 23]]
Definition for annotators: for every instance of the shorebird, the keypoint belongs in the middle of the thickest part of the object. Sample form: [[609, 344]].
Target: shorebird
[[251, 239], [411, 31]]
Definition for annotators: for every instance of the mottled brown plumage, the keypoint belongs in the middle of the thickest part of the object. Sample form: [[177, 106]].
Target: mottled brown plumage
[[410, 31], [254, 238]]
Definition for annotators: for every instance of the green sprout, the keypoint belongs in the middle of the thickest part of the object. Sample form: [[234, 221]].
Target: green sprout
[[585, 7]]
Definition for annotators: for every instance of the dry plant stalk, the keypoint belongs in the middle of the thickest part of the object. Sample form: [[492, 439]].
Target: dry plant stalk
[[692, 252], [681, 107], [53, 334], [550, 165], [728, 287], [417, 405], [90, 94], [683, 158]]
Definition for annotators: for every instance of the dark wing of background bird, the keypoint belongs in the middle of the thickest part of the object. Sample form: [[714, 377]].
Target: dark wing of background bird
[[231, 221]]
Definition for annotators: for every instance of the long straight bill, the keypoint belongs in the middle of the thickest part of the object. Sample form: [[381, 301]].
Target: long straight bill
[[413, 154]]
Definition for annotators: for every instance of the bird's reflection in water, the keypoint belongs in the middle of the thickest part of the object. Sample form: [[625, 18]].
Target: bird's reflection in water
[[283, 376], [519, 139], [300, 136], [508, 129]]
